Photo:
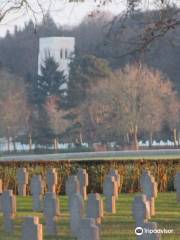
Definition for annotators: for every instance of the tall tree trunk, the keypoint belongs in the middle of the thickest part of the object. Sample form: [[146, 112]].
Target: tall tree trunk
[[150, 139], [57, 144], [30, 142], [80, 138], [134, 138], [8, 144], [127, 137], [136, 144], [14, 145], [8, 140], [178, 138], [54, 144], [175, 137]]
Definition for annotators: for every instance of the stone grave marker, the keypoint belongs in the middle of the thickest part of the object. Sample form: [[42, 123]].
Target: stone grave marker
[[76, 213], [37, 189], [110, 190], [140, 210], [31, 229], [51, 212], [177, 186], [82, 176], [142, 177], [51, 177], [89, 230], [149, 188], [95, 207], [72, 186], [22, 178], [8, 209], [114, 173]]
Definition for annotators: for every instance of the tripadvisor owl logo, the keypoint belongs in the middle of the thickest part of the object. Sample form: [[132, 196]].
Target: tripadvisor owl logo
[[139, 231]]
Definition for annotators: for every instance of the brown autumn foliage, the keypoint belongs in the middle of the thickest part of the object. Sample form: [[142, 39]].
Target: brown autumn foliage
[[135, 99], [57, 120], [14, 111]]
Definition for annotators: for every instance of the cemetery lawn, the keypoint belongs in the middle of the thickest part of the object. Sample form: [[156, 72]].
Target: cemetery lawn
[[119, 226]]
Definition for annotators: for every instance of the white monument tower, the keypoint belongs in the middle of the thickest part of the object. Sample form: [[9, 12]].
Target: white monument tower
[[61, 48]]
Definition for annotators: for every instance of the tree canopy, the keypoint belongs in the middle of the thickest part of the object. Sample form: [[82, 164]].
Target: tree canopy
[[132, 101], [85, 72]]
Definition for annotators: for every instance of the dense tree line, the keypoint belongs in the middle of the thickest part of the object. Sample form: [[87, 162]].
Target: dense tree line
[[19, 51], [105, 105], [111, 96]]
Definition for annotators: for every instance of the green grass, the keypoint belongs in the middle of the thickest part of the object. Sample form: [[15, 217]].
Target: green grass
[[119, 226]]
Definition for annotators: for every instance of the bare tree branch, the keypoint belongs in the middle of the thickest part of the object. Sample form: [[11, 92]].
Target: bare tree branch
[[168, 18]]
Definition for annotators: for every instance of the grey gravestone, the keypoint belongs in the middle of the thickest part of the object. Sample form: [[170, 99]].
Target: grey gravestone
[[142, 177], [110, 190], [140, 210], [72, 186], [51, 177], [177, 186], [114, 173], [37, 189], [149, 188], [83, 180], [95, 207], [51, 211], [22, 178], [0, 194], [147, 235], [76, 213], [89, 230], [31, 229], [147, 174], [8, 209]]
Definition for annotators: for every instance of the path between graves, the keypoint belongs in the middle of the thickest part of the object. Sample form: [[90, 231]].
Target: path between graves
[[99, 156]]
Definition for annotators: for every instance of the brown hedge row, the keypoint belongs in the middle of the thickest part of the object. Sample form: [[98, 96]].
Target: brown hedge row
[[130, 171]]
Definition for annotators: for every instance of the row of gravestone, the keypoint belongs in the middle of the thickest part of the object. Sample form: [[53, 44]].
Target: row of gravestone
[[76, 191], [77, 184], [74, 184], [51, 176], [83, 227], [36, 185], [33, 230], [143, 208], [88, 225]]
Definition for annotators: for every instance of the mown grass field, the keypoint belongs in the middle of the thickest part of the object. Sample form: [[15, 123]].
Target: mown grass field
[[119, 226]]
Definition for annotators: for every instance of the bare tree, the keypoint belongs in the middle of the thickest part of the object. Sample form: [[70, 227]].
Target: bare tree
[[129, 103], [58, 123], [36, 7], [172, 114], [14, 112]]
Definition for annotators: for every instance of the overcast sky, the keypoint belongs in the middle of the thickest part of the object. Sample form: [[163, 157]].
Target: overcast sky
[[64, 13]]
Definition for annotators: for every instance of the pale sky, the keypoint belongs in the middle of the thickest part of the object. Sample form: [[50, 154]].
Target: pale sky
[[63, 12]]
